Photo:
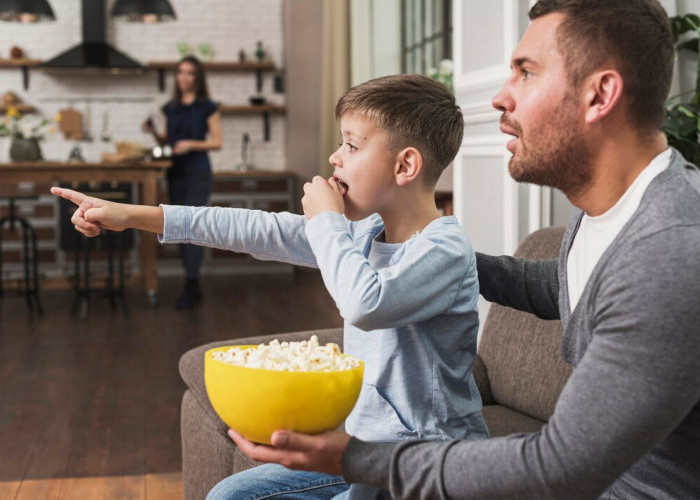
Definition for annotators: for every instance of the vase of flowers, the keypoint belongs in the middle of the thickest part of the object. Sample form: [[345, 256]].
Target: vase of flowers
[[25, 133], [25, 149]]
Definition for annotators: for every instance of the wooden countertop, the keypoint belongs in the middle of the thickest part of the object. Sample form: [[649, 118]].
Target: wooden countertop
[[62, 165]]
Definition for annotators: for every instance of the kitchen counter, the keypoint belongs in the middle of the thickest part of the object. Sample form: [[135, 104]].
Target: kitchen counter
[[145, 173]]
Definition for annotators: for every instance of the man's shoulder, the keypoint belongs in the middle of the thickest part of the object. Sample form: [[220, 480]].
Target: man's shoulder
[[671, 201]]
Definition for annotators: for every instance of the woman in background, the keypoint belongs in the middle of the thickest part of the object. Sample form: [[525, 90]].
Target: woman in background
[[192, 127]]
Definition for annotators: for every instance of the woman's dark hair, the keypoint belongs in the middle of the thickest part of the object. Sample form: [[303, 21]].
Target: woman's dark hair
[[201, 91]]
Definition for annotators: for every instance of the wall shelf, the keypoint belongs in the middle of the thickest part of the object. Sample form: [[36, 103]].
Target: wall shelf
[[22, 108], [264, 109], [258, 68], [217, 66], [22, 63], [226, 109]]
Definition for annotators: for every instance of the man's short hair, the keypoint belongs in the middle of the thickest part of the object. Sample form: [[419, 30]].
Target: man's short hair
[[413, 111], [634, 35]]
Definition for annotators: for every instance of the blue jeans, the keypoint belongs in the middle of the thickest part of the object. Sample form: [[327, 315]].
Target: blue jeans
[[275, 481]]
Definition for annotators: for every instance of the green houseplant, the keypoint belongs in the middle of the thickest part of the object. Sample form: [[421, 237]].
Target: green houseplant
[[25, 134], [682, 126]]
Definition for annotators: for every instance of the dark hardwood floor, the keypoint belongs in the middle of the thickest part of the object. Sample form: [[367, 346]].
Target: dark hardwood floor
[[90, 409]]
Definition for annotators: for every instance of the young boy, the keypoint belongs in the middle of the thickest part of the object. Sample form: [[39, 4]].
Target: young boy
[[403, 277]]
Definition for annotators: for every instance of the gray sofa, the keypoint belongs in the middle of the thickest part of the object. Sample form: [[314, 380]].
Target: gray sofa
[[518, 370]]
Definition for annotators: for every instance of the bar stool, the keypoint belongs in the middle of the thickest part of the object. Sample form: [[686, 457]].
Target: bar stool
[[30, 258], [115, 244]]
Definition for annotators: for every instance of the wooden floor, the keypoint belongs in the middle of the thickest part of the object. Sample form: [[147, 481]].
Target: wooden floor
[[90, 409]]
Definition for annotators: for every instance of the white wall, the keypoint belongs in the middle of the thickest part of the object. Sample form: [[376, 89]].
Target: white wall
[[228, 25]]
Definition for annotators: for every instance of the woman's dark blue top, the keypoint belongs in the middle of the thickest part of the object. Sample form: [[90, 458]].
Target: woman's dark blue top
[[189, 122]]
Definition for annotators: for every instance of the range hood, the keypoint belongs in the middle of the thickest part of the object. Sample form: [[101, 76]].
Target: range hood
[[94, 53]]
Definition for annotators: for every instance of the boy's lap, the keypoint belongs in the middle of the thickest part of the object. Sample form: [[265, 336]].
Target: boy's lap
[[276, 481]]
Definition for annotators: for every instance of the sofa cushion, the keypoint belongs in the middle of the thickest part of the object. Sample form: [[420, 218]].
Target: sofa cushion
[[241, 462], [521, 353], [503, 421]]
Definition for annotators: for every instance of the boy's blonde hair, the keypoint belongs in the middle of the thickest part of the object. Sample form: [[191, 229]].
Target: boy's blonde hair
[[413, 111]]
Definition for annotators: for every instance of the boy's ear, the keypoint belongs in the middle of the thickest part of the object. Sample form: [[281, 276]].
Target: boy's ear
[[603, 92], [409, 164]]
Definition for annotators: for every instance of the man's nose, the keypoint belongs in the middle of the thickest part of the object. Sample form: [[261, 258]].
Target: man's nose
[[503, 101]]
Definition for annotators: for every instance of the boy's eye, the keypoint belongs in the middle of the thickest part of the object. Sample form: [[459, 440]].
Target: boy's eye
[[351, 148]]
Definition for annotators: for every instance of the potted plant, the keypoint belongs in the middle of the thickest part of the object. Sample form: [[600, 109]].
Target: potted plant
[[25, 134], [682, 126]]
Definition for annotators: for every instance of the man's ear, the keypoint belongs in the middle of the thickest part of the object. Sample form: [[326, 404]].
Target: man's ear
[[602, 94], [409, 164]]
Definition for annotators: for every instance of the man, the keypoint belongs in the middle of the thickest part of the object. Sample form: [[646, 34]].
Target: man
[[584, 104]]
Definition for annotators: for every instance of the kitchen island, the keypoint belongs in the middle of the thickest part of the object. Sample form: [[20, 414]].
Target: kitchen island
[[144, 173]]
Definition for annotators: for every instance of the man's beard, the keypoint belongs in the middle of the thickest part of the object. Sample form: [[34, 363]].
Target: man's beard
[[555, 156]]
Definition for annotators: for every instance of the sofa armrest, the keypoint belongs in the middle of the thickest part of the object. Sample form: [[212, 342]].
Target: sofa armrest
[[204, 438], [482, 381]]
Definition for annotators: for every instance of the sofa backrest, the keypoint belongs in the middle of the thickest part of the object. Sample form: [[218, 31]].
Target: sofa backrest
[[521, 353]]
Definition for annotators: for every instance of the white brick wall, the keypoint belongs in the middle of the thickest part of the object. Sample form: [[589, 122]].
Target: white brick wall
[[227, 25]]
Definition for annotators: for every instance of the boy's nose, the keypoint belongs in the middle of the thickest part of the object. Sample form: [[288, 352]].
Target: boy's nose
[[334, 160]]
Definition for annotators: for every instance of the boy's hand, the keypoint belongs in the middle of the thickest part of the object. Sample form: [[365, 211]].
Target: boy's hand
[[93, 214], [320, 452], [321, 195]]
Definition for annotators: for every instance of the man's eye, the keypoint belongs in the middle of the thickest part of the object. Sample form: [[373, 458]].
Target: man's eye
[[526, 74]]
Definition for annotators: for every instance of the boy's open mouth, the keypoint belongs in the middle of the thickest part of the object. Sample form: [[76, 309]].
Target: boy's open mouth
[[343, 186]]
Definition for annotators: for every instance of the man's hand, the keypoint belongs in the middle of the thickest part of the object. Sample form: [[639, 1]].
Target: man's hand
[[93, 214], [321, 195], [320, 452]]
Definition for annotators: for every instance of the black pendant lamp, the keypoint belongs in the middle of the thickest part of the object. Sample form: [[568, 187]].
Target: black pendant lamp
[[27, 11], [143, 11]]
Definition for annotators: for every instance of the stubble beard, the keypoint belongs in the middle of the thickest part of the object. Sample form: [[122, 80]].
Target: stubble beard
[[555, 156]]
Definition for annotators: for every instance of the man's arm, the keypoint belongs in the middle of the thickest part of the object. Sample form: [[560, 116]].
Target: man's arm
[[638, 381], [526, 285]]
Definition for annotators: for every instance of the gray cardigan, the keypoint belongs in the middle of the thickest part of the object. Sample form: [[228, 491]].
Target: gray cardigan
[[627, 424]]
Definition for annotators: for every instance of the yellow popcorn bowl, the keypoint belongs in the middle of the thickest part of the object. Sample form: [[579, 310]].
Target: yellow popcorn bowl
[[256, 402]]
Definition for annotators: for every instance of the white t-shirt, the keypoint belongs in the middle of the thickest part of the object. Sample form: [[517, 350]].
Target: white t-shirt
[[596, 233]]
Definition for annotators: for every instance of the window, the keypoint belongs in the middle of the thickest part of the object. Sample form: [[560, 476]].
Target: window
[[426, 34]]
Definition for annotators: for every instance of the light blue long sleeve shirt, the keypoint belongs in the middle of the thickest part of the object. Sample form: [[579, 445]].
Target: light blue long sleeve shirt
[[409, 309]]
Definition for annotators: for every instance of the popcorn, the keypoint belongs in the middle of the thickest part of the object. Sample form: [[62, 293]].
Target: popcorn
[[304, 356]]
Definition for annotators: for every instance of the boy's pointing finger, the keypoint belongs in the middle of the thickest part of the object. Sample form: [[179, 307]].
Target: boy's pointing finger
[[69, 194]]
